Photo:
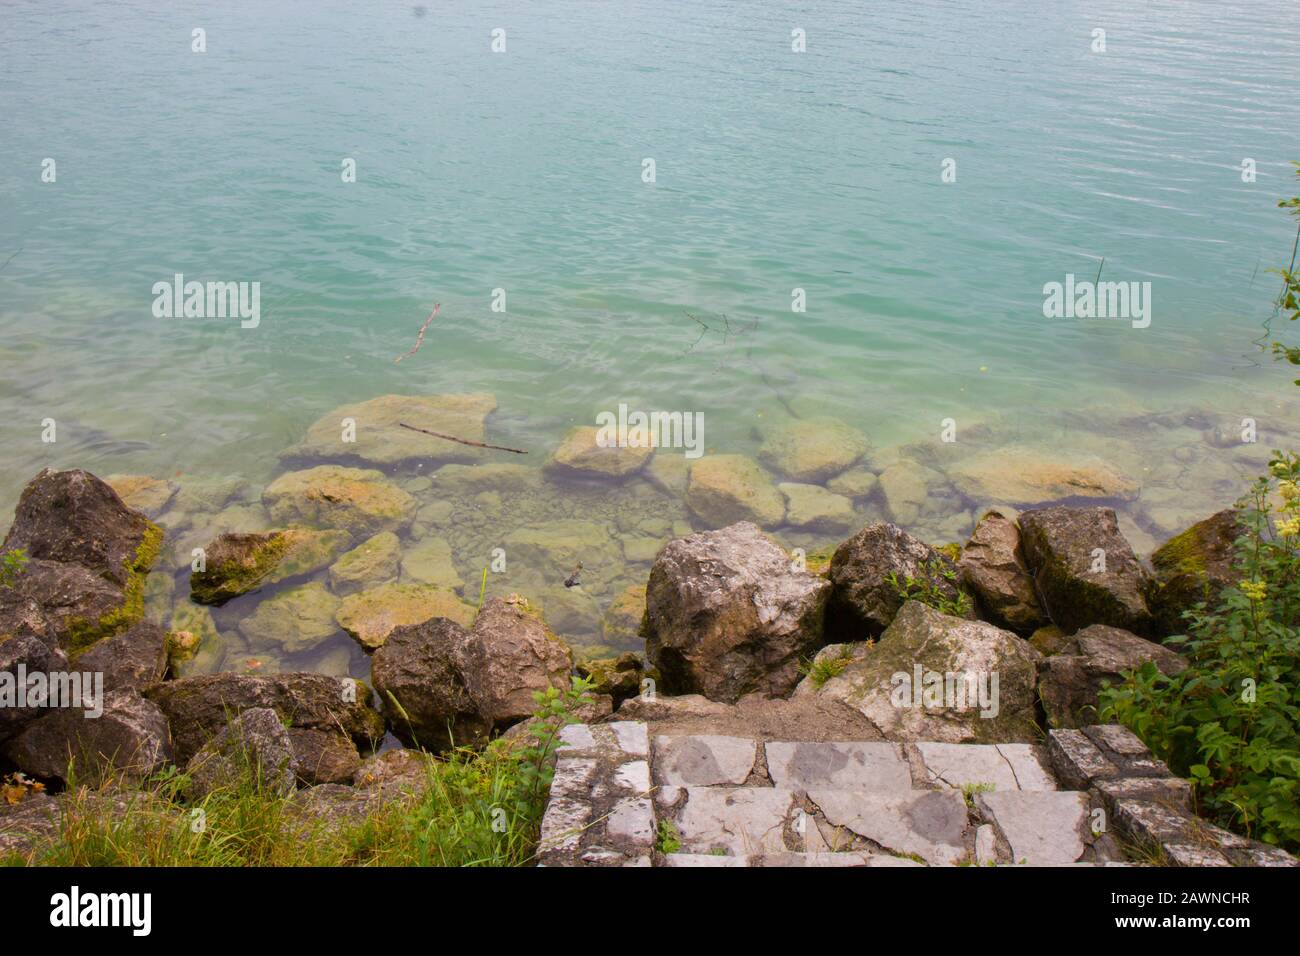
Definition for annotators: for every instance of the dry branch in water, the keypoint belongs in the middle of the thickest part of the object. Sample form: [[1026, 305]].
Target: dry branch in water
[[419, 340], [463, 441]]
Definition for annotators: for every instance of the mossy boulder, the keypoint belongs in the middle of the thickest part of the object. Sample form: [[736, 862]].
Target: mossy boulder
[[373, 562], [811, 450], [621, 626], [361, 501], [236, 563], [726, 489], [930, 677], [370, 616], [1084, 569], [381, 439], [1193, 567], [581, 454], [619, 677], [295, 619]]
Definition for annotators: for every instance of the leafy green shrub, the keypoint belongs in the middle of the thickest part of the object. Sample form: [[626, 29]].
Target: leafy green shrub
[[1231, 722], [1289, 298]]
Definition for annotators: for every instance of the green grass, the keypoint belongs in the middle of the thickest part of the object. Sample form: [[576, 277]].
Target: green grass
[[468, 809], [820, 670]]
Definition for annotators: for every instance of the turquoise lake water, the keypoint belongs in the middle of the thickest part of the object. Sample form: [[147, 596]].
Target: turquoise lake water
[[522, 170]]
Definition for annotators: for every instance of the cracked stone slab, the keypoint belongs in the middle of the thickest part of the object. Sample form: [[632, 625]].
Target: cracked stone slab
[[930, 824], [1043, 828], [703, 760], [847, 765], [740, 821], [1005, 766]]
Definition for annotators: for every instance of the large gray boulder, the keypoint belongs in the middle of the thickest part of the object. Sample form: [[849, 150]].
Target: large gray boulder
[[252, 750], [21, 657], [132, 660], [418, 673], [197, 708], [1069, 683], [863, 598], [128, 740], [56, 603], [728, 614], [1193, 567], [74, 518], [1084, 569], [444, 686], [936, 677], [992, 566]]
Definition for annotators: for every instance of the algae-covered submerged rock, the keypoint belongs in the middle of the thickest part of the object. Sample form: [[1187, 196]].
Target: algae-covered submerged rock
[[142, 493], [297, 618], [930, 677], [381, 439], [726, 489], [812, 450], [1084, 569], [727, 613], [581, 454], [370, 616], [235, 564], [1193, 567], [1019, 475], [430, 562], [373, 562], [358, 500], [813, 508]]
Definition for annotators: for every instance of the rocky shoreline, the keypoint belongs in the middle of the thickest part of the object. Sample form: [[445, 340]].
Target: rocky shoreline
[[1048, 602]]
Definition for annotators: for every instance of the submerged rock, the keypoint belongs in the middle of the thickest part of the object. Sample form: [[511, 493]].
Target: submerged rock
[[670, 474], [812, 450], [581, 454], [1084, 570], [296, 619], [142, 493], [931, 677], [197, 708], [499, 476], [373, 562], [906, 486], [370, 616], [854, 483], [1069, 683], [361, 501], [993, 566], [429, 562], [727, 614], [553, 549], [381, 440], [1019, 475], [203, 649], [621, 626], [813, 508], [726, 489], [866, 575], [237, 563], [1193, 567]]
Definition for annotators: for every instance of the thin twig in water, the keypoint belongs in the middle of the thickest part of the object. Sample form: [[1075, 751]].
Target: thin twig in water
[[463, 441], [419, 340], [11, 259]]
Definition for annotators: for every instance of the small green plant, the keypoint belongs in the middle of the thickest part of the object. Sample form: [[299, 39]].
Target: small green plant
[[968, 791], [930, 588], [669, 839], [1231, 721], [1289, 298], [12, 564], [821, 669]]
